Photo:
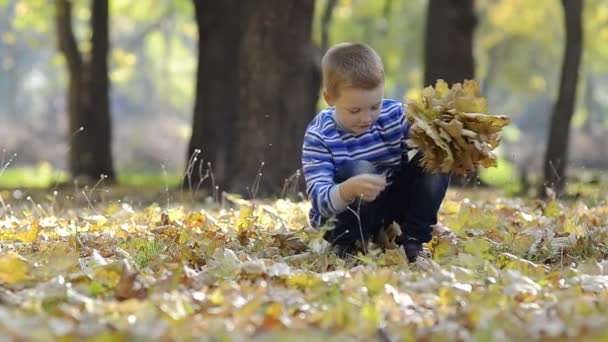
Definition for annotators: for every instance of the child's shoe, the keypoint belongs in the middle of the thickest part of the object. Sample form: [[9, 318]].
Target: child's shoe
[[412, 247], [412, 250]]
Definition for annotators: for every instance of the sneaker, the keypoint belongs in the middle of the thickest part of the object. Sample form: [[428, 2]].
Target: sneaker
[[413, 250]]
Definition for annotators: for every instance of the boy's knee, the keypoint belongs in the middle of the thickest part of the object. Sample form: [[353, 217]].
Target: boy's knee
[[353, 168]]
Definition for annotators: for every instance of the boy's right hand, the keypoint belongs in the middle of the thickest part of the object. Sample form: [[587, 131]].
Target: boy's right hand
[[367, 186]]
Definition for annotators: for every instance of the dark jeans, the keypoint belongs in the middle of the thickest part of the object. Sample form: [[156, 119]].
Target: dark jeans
[[412, 200]]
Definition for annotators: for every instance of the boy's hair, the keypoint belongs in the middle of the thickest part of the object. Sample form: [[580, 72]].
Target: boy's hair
[[351, 65]]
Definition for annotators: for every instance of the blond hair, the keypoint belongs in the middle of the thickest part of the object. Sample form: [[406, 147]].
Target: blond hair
[[351, 65]]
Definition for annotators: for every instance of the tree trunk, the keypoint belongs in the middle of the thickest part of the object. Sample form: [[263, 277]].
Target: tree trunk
[[448, 50], [76, 90], [89, 132], [278, 91], [216, 103], [556, 155], [326, 22], [449, 41], [99, 89]]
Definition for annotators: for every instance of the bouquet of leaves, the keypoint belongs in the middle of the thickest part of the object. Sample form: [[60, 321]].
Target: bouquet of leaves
[[452, 128]]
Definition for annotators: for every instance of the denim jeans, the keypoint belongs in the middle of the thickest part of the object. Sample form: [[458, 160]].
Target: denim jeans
[[412, 200]]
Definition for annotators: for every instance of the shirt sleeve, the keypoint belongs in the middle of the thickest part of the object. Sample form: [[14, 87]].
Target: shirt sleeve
[[405, 127], [319, 174]]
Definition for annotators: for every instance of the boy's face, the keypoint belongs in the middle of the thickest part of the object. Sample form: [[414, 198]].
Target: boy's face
[[356, 109]]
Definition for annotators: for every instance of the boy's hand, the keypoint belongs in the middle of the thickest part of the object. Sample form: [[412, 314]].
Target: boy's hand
[[367, 186]]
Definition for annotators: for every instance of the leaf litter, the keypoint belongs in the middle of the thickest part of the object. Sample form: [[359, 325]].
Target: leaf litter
[[501, 269]]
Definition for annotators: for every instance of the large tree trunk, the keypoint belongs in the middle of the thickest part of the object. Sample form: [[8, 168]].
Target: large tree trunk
[[449, 41], [217, 103], [448, 49], [89, 131], [278, 90], [556, 156]]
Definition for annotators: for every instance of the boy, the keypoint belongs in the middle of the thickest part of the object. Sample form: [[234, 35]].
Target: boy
[[355, 159]]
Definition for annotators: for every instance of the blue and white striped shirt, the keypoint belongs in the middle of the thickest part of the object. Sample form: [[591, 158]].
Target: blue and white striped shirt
[[327, 146]]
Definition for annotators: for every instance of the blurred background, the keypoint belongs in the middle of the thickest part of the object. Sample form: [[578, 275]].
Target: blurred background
[[134, 89]]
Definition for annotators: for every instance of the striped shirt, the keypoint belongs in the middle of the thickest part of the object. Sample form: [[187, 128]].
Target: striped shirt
[[327, 146]]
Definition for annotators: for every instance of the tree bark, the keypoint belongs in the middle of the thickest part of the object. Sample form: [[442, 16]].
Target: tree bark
[[89, 131], [448, 50], [217, 102], [556, 155], [99, 93], [278, 92], [449, 41]]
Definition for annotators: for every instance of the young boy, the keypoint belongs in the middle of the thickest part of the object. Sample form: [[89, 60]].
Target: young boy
[[355, 159]]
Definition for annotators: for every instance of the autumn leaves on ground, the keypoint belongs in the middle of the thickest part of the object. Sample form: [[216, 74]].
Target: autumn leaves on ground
[[108, 269]]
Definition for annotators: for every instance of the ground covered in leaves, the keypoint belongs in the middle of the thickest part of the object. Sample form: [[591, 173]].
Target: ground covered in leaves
[[505, 269]]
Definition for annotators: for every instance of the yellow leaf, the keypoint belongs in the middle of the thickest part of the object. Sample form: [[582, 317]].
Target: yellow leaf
[[573, 226], [442, 88], [444, 249], [392, 257], [245, 218], [478, 248], [553, 209], [521, 243], [370, 313], [28, 233], [303, 280], [14, 268], [108, 275], [274, 310], [250, 308], [216, 297], [176, 214]]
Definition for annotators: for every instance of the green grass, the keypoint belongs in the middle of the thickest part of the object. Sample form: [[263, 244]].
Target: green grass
[[40, 176], [43, 175], [148, 179], [503, 176], [146, 250]]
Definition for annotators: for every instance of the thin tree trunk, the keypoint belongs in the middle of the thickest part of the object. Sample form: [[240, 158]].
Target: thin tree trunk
[[556, 155], [76, 90], [216, 103], [325, 24], [99, 90], [278, 90], [88, 95]]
